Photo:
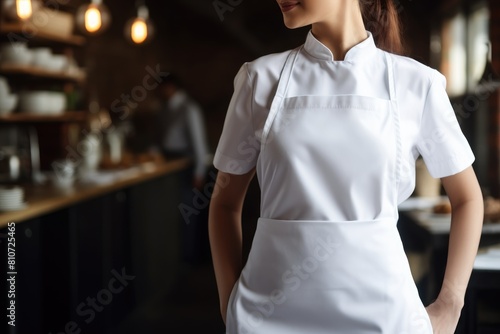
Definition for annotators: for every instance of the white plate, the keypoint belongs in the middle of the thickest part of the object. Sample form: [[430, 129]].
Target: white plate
[[11, 194], [11, 198], [420, 203], [18, 207], [4, 193], [7, 196], [10, 203], [440, 215]]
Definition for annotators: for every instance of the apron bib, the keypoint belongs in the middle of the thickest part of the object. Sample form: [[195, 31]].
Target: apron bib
[[331, 259]]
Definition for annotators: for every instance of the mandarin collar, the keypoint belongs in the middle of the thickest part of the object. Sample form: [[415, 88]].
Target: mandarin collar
[[318, 50]]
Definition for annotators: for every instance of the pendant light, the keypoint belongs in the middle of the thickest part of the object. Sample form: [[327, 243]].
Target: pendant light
[[18, 9], [140, 29], [24, 9], [490, 80], [93, 18]]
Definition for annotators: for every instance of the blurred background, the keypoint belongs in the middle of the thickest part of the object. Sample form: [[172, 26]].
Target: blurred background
[[110, 112]]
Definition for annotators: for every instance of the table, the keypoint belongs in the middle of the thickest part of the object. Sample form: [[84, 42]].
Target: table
[[425, 232], [485, 278], [422, 231]]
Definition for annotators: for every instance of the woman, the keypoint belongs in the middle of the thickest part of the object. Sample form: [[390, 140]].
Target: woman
[[332, 130]]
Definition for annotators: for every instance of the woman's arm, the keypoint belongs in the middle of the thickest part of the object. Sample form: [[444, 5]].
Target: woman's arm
[[224, 227], [466, 225]]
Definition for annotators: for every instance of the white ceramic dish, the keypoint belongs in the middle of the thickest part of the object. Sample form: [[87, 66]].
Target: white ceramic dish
[[12, 195], [42, 102], [57, 63], [14, 189], [11, 205], [4, 87], [41, 57], [8, 103], [11, 200], [62, 182], [18, 207], [16, 54], [57, 103]]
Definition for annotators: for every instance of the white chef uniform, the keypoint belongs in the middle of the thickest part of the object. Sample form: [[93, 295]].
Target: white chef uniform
[[334, 144]]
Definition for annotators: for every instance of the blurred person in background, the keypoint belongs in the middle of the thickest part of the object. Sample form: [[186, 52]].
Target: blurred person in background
[[182, 128], [181, 134]]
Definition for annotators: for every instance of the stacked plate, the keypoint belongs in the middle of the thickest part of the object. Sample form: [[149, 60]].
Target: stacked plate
[[11, 199]]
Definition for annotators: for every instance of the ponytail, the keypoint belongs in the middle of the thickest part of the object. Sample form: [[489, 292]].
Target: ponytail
[[381, 19]]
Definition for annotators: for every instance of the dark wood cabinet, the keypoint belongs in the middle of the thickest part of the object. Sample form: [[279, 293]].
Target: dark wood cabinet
[[88, 265]]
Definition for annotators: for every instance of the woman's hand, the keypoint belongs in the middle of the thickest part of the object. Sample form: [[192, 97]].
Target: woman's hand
[[223, 312], [224, 304], [444, 316]]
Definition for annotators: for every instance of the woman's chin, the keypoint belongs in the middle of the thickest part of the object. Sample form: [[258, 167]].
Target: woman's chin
[[293, 24]]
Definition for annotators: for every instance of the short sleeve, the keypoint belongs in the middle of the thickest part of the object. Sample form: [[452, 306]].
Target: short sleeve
[[441, 143], [238, 147]]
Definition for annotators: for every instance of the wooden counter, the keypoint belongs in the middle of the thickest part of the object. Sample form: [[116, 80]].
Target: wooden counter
[[46, 198], [70, 244]]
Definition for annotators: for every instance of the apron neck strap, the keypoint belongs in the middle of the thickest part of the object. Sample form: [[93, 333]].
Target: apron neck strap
[[390, 77], [286, 72], [283, 82], [397, 129]]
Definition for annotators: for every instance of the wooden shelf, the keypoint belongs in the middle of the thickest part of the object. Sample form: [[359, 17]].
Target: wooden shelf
[[33, 71], [43, 199], [17, 29], [25, 117]]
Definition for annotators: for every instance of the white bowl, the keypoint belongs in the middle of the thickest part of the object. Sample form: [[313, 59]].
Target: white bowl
[[8, 103], [34, 102], [62, 182], [57, 102], [42, 102], [41, 56], [16, 54], [4, 87], [57, 63], [64, 173]]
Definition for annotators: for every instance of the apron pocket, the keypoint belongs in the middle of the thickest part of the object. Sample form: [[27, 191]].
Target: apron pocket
[[328, 255]]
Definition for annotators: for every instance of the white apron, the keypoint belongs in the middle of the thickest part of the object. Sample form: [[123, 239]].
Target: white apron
[[336, 263]]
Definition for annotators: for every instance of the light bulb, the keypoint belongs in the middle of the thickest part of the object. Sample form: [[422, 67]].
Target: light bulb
[[93, 21], [139, 31], [24, 9], [93, 18]]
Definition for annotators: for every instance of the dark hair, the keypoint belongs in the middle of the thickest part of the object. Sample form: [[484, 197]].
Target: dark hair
[[381, 19]]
